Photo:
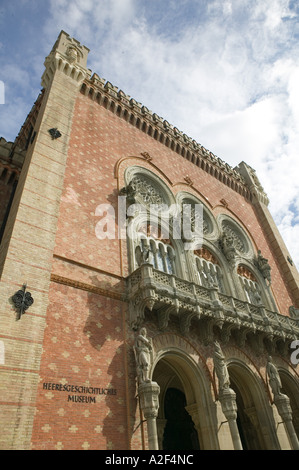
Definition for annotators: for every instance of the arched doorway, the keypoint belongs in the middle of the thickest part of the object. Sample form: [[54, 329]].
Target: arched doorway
[[179, 432], [246, 422], [290, 387], [255, 422], [184, 405]]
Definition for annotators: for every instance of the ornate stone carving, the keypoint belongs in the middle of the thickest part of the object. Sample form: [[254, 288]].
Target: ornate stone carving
[[232, 234], [147, 156], [129, 192], [143, 349], [149, 393], [263, 266], [143, 255], [149, 402], [146, 191], [188, 180], [221, 368], [167, 296], [227, 245], [73, 54], [68, 56], [274, 378]]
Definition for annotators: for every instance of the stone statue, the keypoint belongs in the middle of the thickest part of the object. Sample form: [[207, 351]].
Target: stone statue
[[274, 378], [129, 192], [264, 267], [221, 368], [143, 255], [143, 350]]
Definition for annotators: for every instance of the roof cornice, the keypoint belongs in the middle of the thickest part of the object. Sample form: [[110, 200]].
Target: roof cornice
[[138, 115]]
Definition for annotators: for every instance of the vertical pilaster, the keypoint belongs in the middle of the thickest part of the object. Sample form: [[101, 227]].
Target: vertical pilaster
[[28, 242]]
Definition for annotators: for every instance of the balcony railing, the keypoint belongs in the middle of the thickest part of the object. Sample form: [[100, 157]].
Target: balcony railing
[[169, 295]]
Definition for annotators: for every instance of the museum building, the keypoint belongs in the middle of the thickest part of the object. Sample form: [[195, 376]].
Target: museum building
[[148, 301]]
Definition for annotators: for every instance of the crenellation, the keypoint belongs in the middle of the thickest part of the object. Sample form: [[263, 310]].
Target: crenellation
[[172, 133]]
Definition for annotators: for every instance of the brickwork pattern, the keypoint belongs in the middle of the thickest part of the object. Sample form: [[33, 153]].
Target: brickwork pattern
[[86, 334], [84, 347]]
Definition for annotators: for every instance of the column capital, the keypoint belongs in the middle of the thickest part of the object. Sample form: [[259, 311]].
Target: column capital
[[228, 402], [149, 399]]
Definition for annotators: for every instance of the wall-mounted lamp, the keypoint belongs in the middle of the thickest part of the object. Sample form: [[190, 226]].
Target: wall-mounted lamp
[[22, 301], [55, 134]]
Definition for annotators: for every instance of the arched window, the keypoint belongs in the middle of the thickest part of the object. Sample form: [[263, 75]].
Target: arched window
[[151, 212], [155, 251], [208, 270], [250, 286]]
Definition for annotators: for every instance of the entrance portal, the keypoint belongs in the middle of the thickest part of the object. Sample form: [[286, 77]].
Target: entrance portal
[[179, 432], [175, 425]]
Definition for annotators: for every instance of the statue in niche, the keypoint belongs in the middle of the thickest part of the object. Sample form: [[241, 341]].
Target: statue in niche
[[274, 378], [264, 267], [254, 296], [143, 254], [143, 349], [221, 368], [257, 297]]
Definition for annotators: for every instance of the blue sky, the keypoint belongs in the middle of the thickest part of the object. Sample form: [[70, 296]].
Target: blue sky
[[225, 72]]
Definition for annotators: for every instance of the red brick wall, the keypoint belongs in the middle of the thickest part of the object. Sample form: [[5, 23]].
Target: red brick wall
[[83, 346], [86, 334], [99, 140]]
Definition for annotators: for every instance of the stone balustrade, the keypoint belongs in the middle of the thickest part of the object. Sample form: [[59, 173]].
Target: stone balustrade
[[169, 296]]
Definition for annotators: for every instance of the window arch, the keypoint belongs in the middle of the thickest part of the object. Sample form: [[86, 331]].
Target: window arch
[[153, 205], [157, 251], [250, 285], [209, 271]]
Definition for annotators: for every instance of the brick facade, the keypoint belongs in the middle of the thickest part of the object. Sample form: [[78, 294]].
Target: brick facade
[[69, 376]]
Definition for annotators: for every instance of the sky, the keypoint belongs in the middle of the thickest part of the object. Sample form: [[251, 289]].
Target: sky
[[224, 72]]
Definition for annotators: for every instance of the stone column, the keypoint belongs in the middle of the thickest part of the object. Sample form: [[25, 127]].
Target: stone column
[[226, 396], [282, 403], [228, 402], [149, 401]]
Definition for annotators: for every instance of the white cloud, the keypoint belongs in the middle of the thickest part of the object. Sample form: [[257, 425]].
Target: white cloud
[[229, 79], [228, 76]]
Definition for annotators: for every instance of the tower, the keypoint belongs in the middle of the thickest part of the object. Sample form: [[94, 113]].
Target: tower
[[133, 331]]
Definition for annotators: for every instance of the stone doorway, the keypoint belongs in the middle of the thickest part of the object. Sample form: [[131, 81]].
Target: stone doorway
[[179, 432], [175, 426]]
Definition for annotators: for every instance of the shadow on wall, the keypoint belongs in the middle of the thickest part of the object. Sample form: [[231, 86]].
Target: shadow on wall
[[105, 330]]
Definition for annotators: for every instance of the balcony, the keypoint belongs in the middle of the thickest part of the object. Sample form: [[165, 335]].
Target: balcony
[[169, 296]]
